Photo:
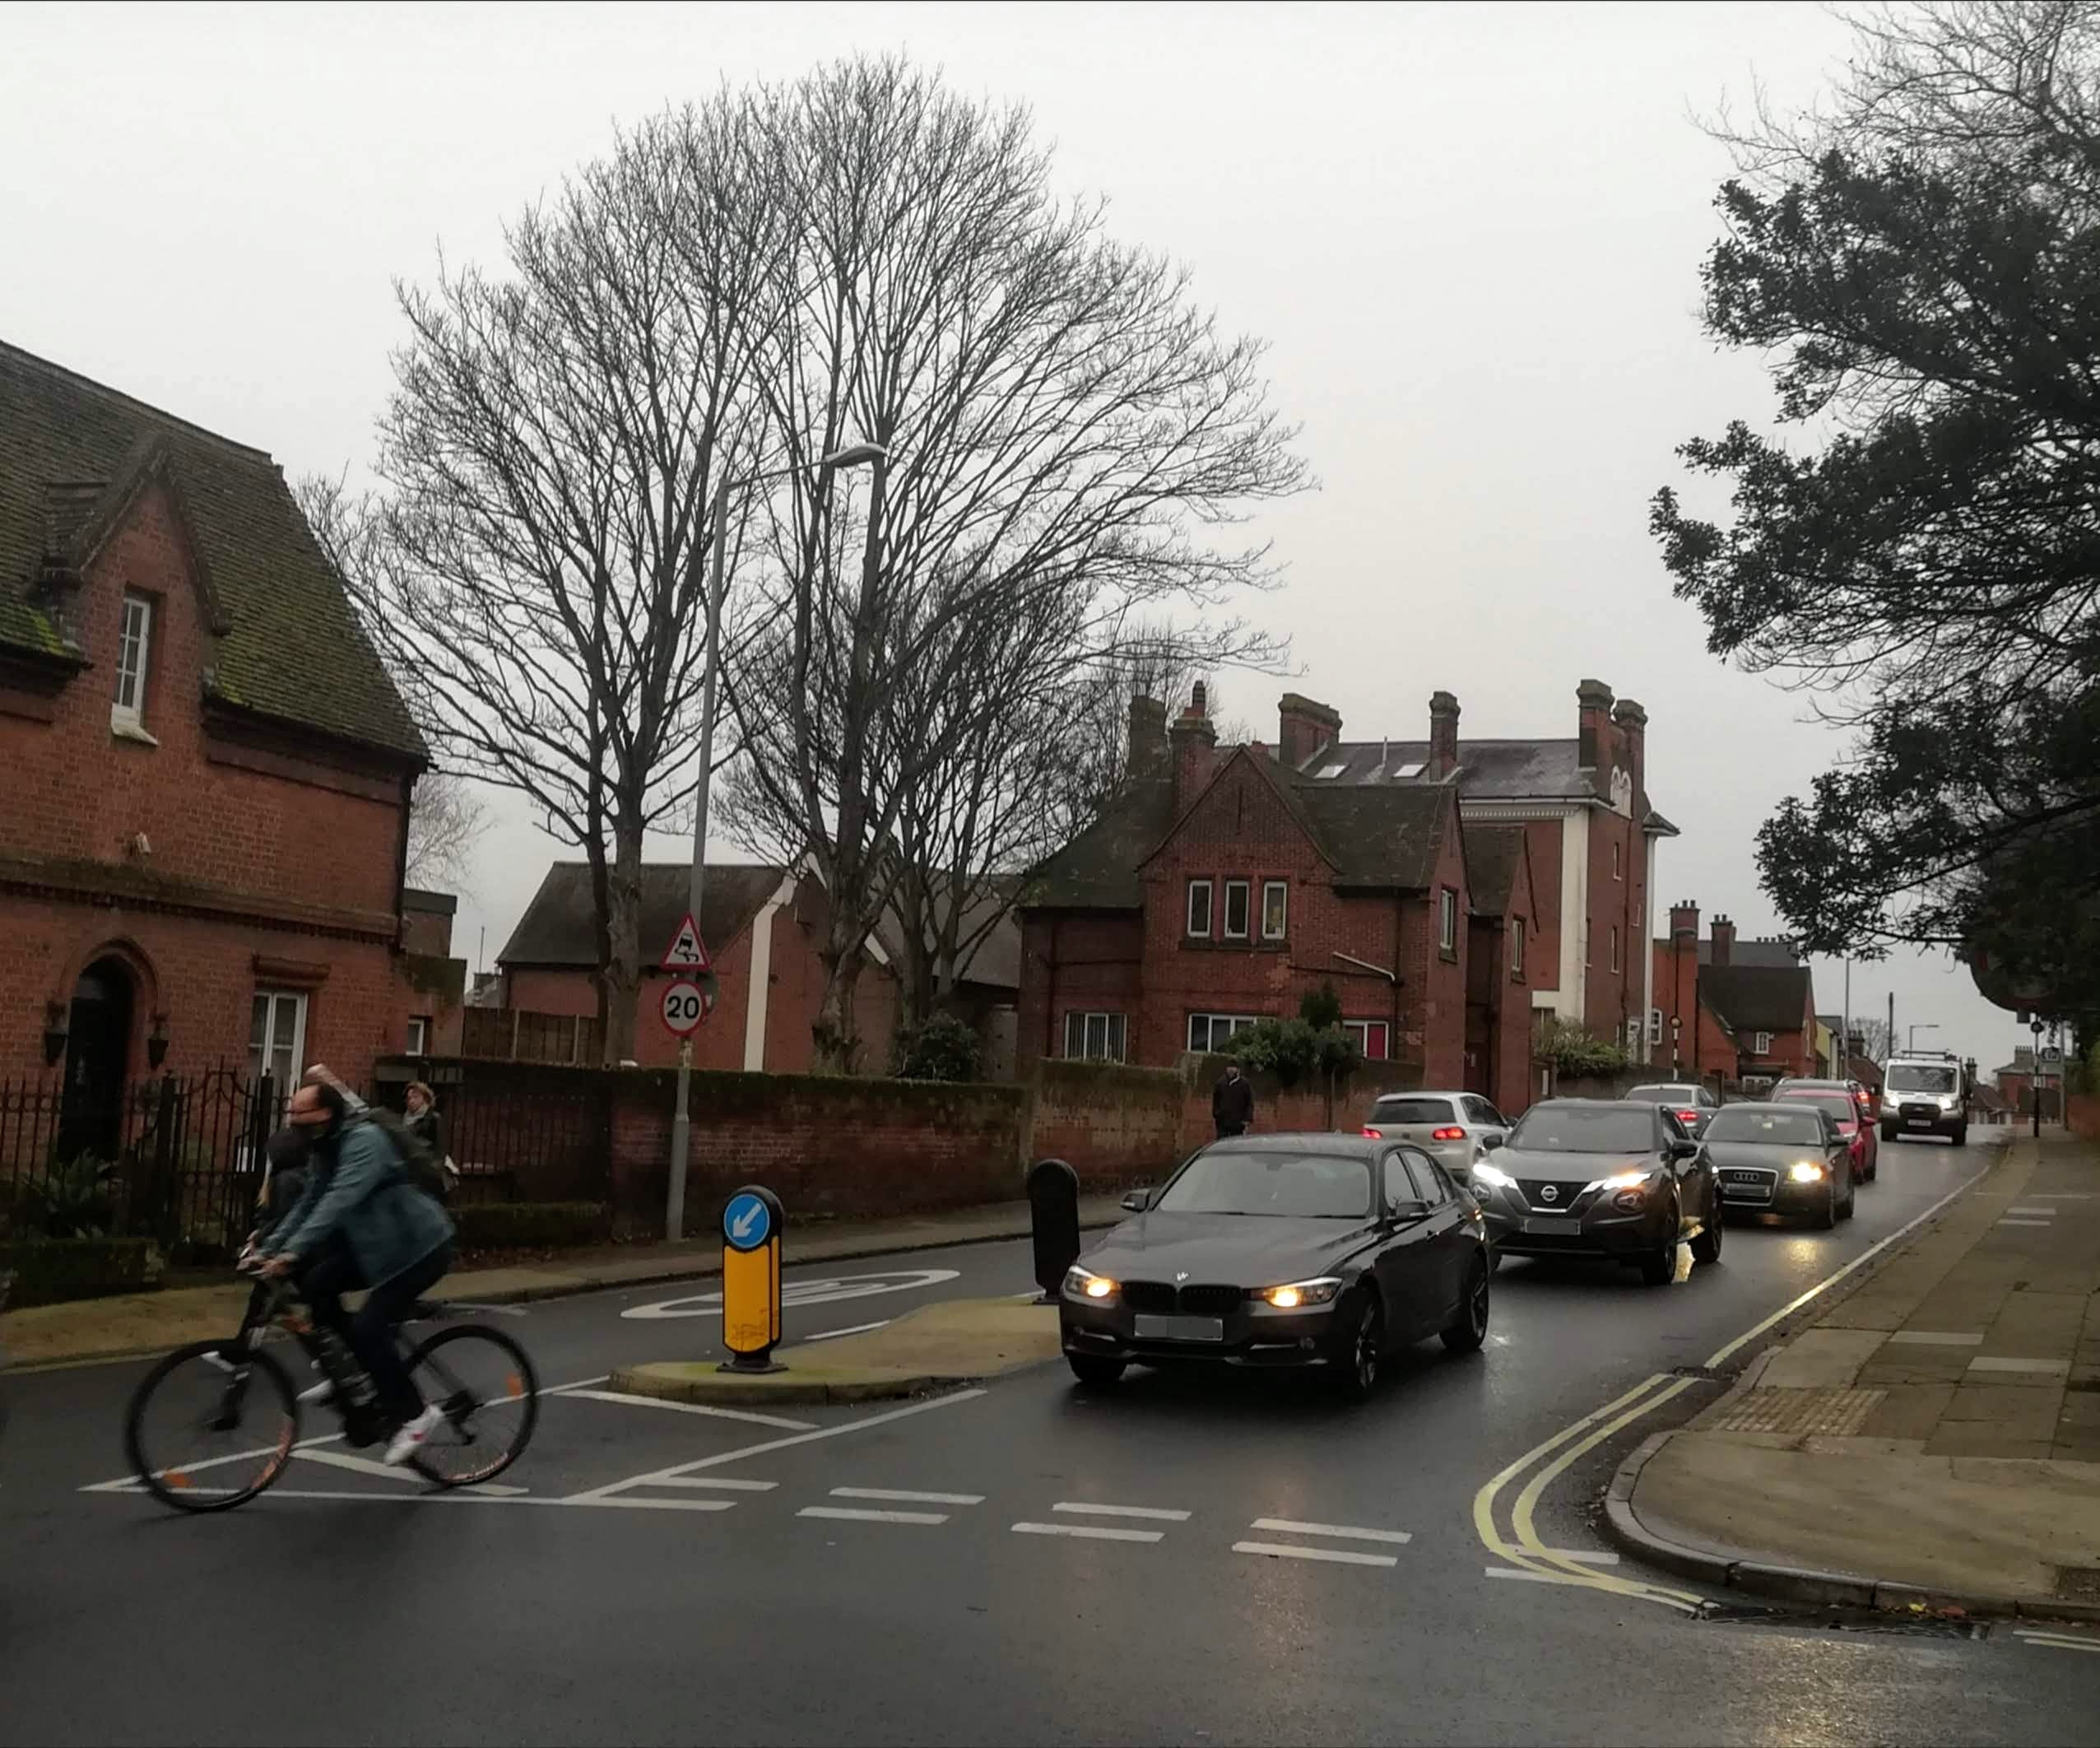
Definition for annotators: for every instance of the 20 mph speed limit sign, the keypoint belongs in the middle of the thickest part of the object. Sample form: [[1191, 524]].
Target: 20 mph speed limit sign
[[684, 1005]]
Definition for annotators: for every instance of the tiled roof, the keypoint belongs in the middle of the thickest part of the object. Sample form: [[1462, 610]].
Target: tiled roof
[[559, 927], [1488, 771], [1493, 854], [995, 961], [289, 646], [1097, 870], [1757, 998]]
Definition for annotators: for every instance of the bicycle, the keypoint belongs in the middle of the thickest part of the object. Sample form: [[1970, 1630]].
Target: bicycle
[[231, 1390]]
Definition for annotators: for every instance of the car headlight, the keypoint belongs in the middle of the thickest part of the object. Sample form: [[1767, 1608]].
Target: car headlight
[[1624, 1180], [1946, 1101], [1806, 1171], [1081, 1283], [1493, 1176], [1296, 1294]]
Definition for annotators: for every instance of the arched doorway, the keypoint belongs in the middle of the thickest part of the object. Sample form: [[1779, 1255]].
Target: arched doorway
[[98, 1057]]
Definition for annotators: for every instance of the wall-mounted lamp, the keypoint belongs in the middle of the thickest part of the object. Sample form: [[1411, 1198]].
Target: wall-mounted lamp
[[54, 1032], [156, 1042]]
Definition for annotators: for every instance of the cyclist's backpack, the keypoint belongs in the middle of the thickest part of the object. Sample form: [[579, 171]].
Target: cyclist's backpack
[[418, 1169]]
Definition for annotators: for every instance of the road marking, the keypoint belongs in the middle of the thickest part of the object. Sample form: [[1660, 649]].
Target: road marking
[[1529, 1553], [1938, 1338], [1992, 1363], [648, 1504], [2027, 1223], [827, 1291], [852, 1514], [727, 1483], [1121, 1511], [851, 1329], [2043, 1213], [1338, 1556], [361, 1464], [900, 1496], [2064, 1196], [1529, 1578], [626, 1401], [657, 1477], [1087, 1532], [1348, 1532], [2059, 1641]]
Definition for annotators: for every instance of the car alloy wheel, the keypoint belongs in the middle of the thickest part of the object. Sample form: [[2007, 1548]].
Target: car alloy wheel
[[1465, 1336], [1706, 1248], [1658, 1266], [1359, 1369]]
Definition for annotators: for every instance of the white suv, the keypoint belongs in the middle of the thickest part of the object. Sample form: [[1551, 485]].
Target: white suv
[[1458, 1129]]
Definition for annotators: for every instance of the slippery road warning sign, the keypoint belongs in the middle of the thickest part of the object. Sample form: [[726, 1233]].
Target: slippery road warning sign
[[687, 951]]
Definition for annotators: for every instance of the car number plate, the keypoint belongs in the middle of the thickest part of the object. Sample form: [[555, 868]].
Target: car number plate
[[1181, 1328], [1564, 1226], [1918, 1122]]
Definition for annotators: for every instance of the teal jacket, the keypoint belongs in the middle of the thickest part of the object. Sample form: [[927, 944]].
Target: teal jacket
[[389, 1225]]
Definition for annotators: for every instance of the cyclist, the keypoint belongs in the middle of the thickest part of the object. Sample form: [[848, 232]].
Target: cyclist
[[397, 1241]]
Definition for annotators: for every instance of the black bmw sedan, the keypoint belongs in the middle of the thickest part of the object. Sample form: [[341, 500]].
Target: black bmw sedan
[[1283, 1250], [1603, 1178]]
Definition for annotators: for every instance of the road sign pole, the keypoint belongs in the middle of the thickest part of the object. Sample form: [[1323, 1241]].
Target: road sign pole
[[751, 1220]]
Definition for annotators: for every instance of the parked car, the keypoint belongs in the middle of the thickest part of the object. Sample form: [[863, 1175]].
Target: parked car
[[1785, 1157], [1836, 1098], [1694, 1104], [1924, 1093], [1457, 1129], [1612, 1178], [1328, 1251]]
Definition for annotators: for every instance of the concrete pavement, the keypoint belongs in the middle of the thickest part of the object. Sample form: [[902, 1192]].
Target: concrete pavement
[[1930, 1441]]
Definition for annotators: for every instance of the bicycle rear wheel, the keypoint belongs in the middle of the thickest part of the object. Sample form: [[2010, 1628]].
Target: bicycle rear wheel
[[484, 1382], [211, 1426]]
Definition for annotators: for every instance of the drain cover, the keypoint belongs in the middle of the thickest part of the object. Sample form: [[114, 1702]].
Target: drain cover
[[1838, 1412], [1841, 1620]]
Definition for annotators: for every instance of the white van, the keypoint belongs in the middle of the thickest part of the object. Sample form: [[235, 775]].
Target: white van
[[1925, 1093]]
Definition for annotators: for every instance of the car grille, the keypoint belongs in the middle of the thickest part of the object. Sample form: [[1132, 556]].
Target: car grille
[[1928, 1113], [1158, 1298], [1749, 1185], [1567, 1198]]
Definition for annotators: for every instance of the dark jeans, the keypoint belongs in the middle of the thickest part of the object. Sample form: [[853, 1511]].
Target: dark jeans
[[369, 1335], [1227, 1129]]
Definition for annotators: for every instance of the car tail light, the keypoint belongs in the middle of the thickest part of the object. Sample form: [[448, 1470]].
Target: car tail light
[[1688, 1116], [1372, 1134], [1447, 1135]]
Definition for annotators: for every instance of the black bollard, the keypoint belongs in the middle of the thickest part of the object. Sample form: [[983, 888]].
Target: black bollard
[[1053, 1216]]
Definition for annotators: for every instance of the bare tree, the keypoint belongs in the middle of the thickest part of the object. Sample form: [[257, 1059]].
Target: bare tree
[[1873, 1036], [550, 451], [1060, 425]]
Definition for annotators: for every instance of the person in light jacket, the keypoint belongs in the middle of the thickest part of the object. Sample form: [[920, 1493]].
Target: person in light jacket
[[1232, 1103]]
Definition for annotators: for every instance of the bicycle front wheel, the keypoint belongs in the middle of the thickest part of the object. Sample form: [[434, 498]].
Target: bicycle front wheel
[[484, 1384], [211, 1426]]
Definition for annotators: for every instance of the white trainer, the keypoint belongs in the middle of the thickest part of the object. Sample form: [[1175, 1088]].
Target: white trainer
[[315, 1394], [412, 1437]]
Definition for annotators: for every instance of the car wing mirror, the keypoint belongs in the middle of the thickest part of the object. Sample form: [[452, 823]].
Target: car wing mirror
[[1683, 1149], [1137, 1201], [1399, 1213], [1491, 1141]]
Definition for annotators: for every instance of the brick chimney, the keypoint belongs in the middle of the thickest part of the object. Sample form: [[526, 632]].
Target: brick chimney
[[1196, 747], [1631, 722], [1444, 737], [1593, 734], [1685, 924], [1303, 726], [1148, 738], [1724, 941]]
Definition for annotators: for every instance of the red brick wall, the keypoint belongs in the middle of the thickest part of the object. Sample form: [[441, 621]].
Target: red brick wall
[[1542, 844], [1433, 989], [1087, 963]]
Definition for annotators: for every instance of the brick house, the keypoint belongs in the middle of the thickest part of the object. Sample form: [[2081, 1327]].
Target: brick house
[[208, 771], [1500, 929], [1736, 1010], [1222, 885], [763, 926]]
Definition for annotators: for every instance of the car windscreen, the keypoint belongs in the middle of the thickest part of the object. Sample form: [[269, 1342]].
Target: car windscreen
[[1664, 1094], [1411, 1110], [1920, 1077], [1308, 1185], [1775, 1128], [1839, 1104], [1576, 1128]]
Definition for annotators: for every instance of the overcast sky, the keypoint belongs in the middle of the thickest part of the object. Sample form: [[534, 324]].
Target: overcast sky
[[1472, 233]]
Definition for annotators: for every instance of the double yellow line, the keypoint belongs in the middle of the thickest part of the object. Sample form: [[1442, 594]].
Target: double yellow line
[[1523, 1547]]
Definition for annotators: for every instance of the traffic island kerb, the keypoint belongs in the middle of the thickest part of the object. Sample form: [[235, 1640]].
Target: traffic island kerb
[[961, 1341]]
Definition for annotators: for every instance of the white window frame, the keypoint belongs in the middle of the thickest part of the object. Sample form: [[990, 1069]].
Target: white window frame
[[1280, 890], [263, 1055], [1360, 1033], [1654, 1025], [1081, 1027], [1446, 920], [1760, 1043], [134, 657], [1618, 869], [1245, 892], [1517, 945], [1209, 909], [1234, 1023], [418, 1034]]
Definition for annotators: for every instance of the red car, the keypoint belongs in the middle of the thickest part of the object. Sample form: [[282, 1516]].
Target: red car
[[1847, 1104]]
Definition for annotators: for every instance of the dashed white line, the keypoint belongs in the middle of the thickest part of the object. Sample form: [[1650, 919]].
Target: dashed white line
[[1346, 1532], [900, 1496], [853, 1515], [1121, 1511], [1337, 1557], [625, 1400], [2040, 1213], [727, 1483], [1087, 1532], [2059, 1641], [1530, 1577], [2026, 1223], [628, 1502]]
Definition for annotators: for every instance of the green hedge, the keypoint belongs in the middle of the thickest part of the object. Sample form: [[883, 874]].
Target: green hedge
[[47, 1271], [532, 1226]]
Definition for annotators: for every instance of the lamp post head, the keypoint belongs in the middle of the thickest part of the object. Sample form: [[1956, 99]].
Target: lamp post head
[[856, 455]]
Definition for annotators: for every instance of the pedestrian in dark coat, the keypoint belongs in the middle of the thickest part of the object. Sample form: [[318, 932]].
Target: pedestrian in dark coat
[[1232, 1103]]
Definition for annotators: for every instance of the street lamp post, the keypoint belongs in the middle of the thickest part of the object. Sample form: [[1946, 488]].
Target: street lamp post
[[855, 455]]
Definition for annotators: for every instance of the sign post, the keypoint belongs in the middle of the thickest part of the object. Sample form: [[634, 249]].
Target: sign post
[[750, 1280], [1053, 1221], [686, 1000]]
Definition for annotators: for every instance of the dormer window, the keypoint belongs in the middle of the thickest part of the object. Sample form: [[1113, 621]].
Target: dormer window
[[134, 652]]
